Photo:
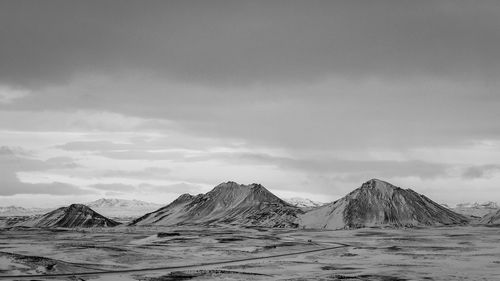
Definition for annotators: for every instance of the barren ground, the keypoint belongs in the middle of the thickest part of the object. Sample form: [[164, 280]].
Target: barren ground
[[194, 253]]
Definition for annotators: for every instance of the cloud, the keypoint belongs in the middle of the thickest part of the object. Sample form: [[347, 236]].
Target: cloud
[[335, 113], [61, 119], [147, 173], [114, 187], [7, 95], [14, 186], [94, 146], [327, 165], [278, 91], [176, 188], [234, 42], [11, 163], [481, 171]]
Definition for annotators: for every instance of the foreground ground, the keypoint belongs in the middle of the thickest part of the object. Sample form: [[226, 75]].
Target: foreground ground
[[224, 253]]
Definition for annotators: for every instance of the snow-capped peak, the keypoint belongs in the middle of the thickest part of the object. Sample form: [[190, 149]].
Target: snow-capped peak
[[303, 202]]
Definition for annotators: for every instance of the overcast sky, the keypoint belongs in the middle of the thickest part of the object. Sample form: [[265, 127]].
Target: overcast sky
[[151, 99]]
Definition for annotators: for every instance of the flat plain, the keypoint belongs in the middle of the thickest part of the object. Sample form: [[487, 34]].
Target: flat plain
[[235, 253]]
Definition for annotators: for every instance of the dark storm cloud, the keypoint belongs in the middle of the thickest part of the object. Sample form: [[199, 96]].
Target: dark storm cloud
[[47, 42]]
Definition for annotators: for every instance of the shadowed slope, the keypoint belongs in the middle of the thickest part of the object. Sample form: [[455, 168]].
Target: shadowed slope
[[380, 203], [227, 203], [75, 215], [492, 218]]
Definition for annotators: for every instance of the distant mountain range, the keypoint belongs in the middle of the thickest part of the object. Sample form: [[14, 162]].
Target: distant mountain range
[[112, 207], [303, 203], [227, 203], [476, 209], [379, 203], [21, 211], [375, 203]]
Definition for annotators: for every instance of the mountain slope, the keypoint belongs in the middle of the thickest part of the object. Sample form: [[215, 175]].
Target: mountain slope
[[112, 207], [75, 215], [227, 203], [378, 203], [491, 218]]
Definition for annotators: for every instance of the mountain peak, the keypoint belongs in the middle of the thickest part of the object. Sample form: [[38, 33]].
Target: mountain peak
[[257, 186], [228, 184], [381, 187], [183, 198], [227, 203], [376, 183], [78, 207], [378, 202]]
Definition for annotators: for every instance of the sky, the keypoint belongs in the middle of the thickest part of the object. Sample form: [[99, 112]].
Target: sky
[[151, 99]]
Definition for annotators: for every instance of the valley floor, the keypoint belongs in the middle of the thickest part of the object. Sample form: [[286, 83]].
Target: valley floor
[[194, 253]]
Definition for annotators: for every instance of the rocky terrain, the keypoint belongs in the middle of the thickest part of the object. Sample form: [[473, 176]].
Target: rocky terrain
[[378, 203], [75, 215], [227, 203]]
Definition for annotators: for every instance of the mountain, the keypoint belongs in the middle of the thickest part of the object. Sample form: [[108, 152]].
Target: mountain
[[378, 203], [75, 215], [21, 211], [491, 218], [476, 209], [303, 203], [112, 207], [227, 203]]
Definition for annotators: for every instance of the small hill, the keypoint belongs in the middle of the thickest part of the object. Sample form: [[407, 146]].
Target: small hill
[[227, 203], [75, 215], [379, 203], [491, 218]]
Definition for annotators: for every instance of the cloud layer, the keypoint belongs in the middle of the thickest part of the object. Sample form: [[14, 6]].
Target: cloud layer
[[159, 97]]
